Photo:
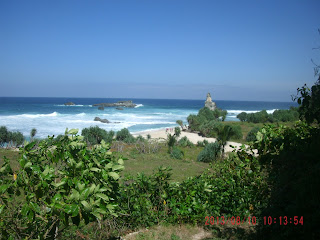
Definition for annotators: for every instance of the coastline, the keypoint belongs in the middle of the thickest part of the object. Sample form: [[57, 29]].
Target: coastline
[[161, 134]]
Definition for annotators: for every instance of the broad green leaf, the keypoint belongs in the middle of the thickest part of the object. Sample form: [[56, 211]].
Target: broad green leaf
[[100, 210], [28, 164], [73, 209], [103, 196], [97, 215], [80, 186], [73, 131], [85, 193], [91, 189], [35, 207], [86, 205], [95, 169], [114, 175], [117, 167], [4, 188], [63, 182], [120, 161], [109, 165], [79, 164], [75, 195]]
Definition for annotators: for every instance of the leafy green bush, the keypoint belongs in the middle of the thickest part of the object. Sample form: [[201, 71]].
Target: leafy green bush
[[277, 116], [251, 137], [59, 183], [12, 139], [242, 116], [177, 131], [204, 116], [94, 135], [185, 142], [235, 187], [177, 153], [210, 152], [291, 157], [202, 143], [3, 135], [125, 136]]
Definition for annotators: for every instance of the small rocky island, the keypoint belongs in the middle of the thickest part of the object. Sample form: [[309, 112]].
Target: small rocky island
[[128, 104], [69, 104]]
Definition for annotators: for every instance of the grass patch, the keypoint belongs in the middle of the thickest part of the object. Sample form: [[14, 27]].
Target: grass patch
[[246, 128]]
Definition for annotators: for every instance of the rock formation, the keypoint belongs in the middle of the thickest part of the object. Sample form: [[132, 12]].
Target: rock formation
[[128, 104], [69, 104], [101, 120], [119, 108], [209, 104]]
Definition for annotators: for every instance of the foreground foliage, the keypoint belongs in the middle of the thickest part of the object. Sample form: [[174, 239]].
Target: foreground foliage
[[59, 183]]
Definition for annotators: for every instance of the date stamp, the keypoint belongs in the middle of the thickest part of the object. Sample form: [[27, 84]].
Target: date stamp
[[234, 220], [252, 220]]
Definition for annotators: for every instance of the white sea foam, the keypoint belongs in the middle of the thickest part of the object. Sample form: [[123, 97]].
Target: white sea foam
[[54, 114], [77, 105], [139, 105]]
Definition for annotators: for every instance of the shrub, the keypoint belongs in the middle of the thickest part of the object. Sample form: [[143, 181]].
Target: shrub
[[94, 135], [58, 184], [140, 138], [210, 152], [251, 137], [177, 153], [185, 142], [242, 116], [202, 143], [177, 131], [3, 135], [125, 136]]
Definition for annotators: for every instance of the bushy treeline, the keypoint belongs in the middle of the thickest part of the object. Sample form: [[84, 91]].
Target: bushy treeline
[[289, 115], [9, 138], [94, 135], [204, 116], [209, 124]]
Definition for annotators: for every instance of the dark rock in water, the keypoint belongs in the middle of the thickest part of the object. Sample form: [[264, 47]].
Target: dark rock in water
[[69, 104], [119, 108], [128, 104], [101, 108], [101, 120]]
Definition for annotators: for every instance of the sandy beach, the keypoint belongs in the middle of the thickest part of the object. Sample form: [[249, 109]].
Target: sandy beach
[[161, 134]]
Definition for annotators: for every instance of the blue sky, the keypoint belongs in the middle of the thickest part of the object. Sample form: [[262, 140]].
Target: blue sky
[[237, 50]]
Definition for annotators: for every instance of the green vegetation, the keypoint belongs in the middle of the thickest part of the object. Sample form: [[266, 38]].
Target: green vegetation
[[204, 116], [125, 136], [33, 133], [58, 185], [277, 116], [251, 137], [11, 139], [61, 188], [210, 153], [94, 135]]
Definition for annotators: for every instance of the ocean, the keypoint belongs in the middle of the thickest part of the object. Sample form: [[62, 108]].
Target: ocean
[[51, 117]]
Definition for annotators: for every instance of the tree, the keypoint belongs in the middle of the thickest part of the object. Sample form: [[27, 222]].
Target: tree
[[242, 116], [180, 123], [177, 131], [33, 133], [224, 133], [3, 135]]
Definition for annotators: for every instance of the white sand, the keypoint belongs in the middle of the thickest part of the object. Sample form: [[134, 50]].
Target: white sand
[[193, 137]]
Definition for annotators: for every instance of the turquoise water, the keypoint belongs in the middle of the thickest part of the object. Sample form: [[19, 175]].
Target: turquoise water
[[51, 117]]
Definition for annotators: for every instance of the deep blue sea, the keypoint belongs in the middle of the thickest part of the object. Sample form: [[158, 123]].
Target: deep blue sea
[[51, 117]]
